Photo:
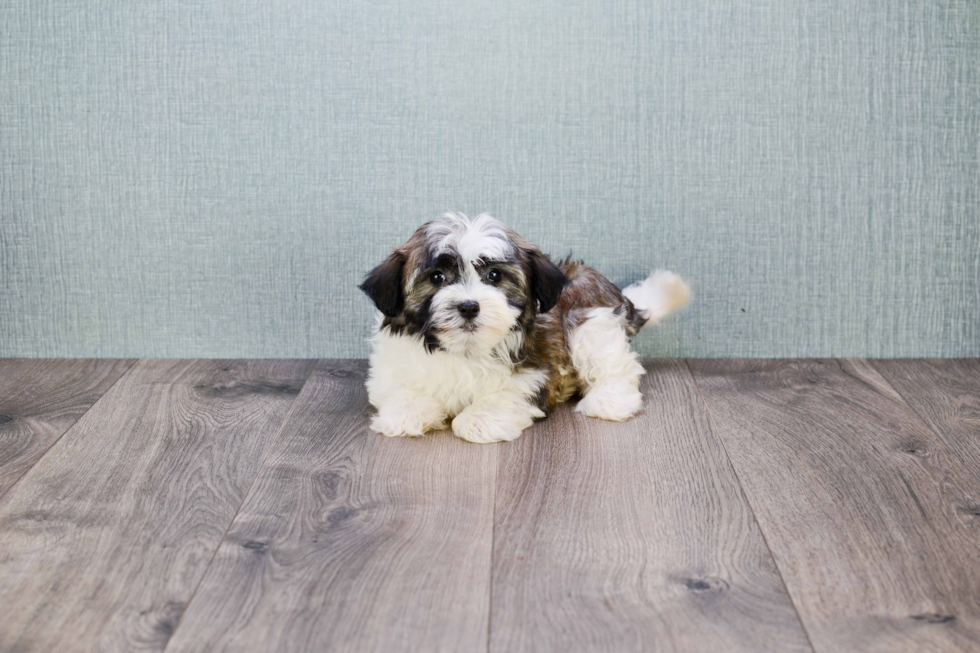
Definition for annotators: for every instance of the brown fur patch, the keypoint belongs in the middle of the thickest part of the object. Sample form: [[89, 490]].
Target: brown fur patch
[[547, 343]]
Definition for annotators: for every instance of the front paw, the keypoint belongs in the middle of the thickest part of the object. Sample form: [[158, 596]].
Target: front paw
[[483, 425], [410, 420]]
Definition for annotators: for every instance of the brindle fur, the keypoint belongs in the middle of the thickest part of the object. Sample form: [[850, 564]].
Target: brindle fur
[[565, 293]]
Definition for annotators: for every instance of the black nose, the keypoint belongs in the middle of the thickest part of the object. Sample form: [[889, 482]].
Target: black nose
[[469, 309]]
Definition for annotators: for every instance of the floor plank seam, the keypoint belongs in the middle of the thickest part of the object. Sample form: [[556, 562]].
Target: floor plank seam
[[231, 522], [871, 362], [129, 369], [932, 429], [942, 437], [493, 541], [745, 496]]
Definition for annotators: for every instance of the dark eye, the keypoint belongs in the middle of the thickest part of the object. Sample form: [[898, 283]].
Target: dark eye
[[437, 278], [494, 276]]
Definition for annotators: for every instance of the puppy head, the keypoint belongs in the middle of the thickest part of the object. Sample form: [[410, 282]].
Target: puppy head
[[465, 286]]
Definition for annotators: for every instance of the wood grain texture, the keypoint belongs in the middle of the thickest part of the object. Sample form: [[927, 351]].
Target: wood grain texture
[[350, 541], [40, 400], [945, 393], [858, 499], [104, 540], [632, 537]]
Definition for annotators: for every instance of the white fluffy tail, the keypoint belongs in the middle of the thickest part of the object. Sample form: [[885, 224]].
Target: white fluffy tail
[[658, 295]]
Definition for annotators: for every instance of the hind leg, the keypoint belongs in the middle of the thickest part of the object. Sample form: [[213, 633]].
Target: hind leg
[[604, 362]]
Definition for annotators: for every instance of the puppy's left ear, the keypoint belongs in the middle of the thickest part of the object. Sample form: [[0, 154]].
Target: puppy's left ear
[[547, 281], [384, 285]]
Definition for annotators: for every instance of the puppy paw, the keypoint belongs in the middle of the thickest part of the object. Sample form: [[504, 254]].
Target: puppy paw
[[412, 419], [615, 400], [484, 425]]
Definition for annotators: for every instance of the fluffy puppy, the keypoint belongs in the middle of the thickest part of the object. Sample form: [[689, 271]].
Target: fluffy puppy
[[477, 326]]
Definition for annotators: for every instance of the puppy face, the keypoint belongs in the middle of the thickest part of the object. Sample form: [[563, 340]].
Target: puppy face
[[465, 286]]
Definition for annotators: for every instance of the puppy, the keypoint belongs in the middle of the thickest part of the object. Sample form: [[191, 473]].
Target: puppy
[[477, 326]]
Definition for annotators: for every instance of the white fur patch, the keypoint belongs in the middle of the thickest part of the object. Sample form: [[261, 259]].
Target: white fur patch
[[498, 417], [601, 354], [413, 388], [615, 399], [479, 237], [408, 414]]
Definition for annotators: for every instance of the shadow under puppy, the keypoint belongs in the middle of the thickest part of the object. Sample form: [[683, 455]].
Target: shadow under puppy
[[478, 326]]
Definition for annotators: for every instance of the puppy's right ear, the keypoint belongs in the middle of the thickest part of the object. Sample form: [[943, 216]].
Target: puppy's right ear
[[384, 285], [547, 281]]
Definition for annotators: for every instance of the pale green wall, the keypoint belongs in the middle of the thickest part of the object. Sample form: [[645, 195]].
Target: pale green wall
[[213, 178]]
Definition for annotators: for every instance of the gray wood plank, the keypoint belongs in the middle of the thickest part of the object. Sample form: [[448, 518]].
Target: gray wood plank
[[632, 536], [40, 399], [104, 540], [350, 541], [858, 500], [945, 393]]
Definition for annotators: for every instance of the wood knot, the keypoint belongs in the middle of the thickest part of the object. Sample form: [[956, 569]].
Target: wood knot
[[914, 448], [255, 545], [169, 615], [972, 509], [275, 388], [233, 389], [329, 483], [340, 515], [165, 627], [705, 585], [934, 618], [35, 515]]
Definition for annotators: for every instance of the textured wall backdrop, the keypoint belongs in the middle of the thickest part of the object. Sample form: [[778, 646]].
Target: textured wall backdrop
[[213, 178]]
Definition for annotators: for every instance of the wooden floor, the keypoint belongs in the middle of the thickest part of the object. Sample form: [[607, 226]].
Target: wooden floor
[[754, 505]]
